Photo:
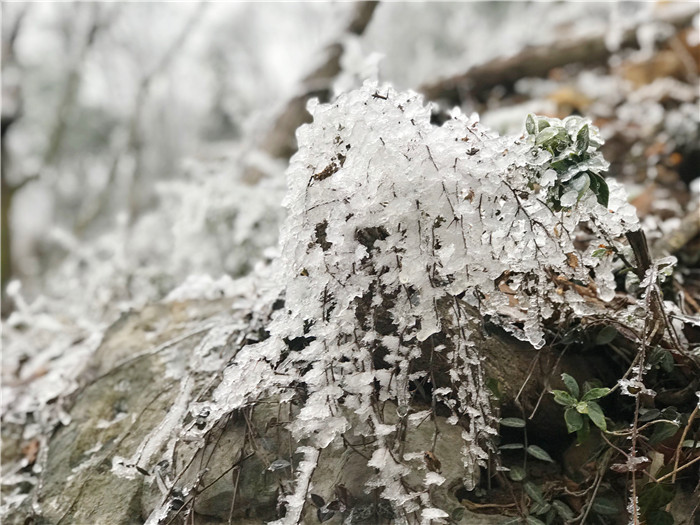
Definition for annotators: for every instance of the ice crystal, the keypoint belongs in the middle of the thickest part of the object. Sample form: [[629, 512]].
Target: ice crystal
[[399, 232]]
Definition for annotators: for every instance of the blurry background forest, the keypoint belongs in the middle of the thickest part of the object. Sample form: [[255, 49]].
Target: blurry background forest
[[144, 145], [130, 130]]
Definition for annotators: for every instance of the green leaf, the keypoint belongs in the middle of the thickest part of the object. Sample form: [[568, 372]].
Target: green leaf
[[546, 135], [539, 453], [513, 422], [511, 521], [531, 520], [663, 359], [582, 435], [571, 384], [595, 393], [662, 432], [600, 253], [654, 496], [560, 165], [530, 125], [512, 446], [605, 506], [564, 398], [670, 413], [581, 184], [596, 415], [603, 192], [583, 139], [533, 491], [563, 510], [493, 385], [517, 473], [667, 362], [647, 414], [551, 515], [541, 124], [574, 421], [540, 508], [606, 335], [659, 517], [593, 383]]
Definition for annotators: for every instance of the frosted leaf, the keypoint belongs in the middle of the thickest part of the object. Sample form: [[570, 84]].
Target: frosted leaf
[[433, 514], [203, 287], [569, 198], [634, 387], [418, 417], [379, 459], [295, 501], [433, 478], [548, 178]]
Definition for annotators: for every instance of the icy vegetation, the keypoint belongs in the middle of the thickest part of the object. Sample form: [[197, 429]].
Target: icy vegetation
[[212, 224], [369, 308], [401, 238]]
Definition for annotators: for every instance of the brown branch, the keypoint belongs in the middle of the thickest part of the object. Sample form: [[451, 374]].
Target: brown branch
[[535, 61], [640, 247], [280, 141]]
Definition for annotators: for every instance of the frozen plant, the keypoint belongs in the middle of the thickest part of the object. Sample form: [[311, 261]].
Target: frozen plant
[[401, 237]]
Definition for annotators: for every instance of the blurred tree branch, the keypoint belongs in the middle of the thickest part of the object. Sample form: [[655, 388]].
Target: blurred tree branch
[[536, 61], [135, 141], [280, 141], [56, 135], [11, 111], [71, 90]]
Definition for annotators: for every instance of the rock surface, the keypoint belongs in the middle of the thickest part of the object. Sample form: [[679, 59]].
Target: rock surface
[[101, 467]]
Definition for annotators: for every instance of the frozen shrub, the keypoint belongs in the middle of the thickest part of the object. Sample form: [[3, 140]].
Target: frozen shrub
[[401, 234]]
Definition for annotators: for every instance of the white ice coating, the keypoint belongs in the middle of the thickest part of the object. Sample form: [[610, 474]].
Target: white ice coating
[[397, 227], [398, 230]]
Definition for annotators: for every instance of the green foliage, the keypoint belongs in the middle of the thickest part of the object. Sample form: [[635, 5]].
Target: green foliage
[[539, 453], [573, 145], [571, 384], [533, 491], [574, 420], [563, 510], [608, 333], [653, 497], [539, 506], [605, 506], [576, 407], [513, 422], [517, 473], [663, 431]]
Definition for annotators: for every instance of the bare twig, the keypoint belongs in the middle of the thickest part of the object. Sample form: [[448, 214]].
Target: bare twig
[[134, 141]]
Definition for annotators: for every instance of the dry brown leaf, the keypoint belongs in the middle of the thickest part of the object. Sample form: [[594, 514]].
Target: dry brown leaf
[[30, 451], [569, 99]]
